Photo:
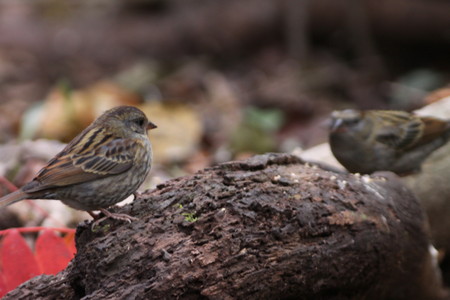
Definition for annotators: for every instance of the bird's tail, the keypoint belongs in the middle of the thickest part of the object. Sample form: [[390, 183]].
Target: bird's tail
[[13, 197]]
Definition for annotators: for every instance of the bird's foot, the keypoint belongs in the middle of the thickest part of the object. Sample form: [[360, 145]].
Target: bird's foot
[[116, 216]]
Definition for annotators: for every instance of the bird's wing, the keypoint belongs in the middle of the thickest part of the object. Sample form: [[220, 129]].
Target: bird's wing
[[433, 128], [405, 131], [67, 168], [399, 129]]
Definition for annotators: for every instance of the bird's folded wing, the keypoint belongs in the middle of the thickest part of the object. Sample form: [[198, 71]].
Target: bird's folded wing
[[434, 128], [114, 157], [400, 130]]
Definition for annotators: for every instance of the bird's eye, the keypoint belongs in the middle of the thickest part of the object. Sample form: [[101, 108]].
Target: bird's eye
[[352, 122], [140, 122]]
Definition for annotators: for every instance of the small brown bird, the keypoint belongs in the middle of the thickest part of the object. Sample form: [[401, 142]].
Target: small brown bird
[[376, 140], [103, 165]]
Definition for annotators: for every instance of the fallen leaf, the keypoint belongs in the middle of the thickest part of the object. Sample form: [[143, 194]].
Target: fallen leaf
[[17, 261], [52, 253]]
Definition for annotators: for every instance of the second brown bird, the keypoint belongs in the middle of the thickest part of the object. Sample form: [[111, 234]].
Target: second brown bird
[[385, 140]]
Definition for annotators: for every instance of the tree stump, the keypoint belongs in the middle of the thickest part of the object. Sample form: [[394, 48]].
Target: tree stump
[[270, 227]]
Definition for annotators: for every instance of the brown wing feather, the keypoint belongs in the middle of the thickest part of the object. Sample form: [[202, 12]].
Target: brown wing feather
[[405, 131], [433, 129], [110, 156], [400, 129]]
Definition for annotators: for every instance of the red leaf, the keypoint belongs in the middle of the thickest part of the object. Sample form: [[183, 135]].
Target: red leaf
[[52, 253], [18, 263], [69, 239], [3, 289]]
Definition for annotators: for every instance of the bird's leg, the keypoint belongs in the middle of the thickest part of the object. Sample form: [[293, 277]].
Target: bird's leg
[[122, 217]]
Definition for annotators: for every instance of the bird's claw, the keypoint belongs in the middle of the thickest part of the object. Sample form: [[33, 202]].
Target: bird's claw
[[116, 216]]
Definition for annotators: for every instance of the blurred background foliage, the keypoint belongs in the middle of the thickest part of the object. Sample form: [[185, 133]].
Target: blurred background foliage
[[221, 79], [229, 78]]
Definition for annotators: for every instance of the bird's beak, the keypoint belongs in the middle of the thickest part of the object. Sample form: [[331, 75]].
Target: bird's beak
[[335, 124], [151, 126]]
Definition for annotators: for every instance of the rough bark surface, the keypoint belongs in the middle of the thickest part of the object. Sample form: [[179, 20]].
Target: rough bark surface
[[271, 227]]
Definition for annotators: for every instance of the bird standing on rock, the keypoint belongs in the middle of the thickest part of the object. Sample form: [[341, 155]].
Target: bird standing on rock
[[100, 167], [385, 140]]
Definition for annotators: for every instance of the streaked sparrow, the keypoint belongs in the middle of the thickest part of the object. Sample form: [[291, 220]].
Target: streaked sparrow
[[375, 140], [103, 165]]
